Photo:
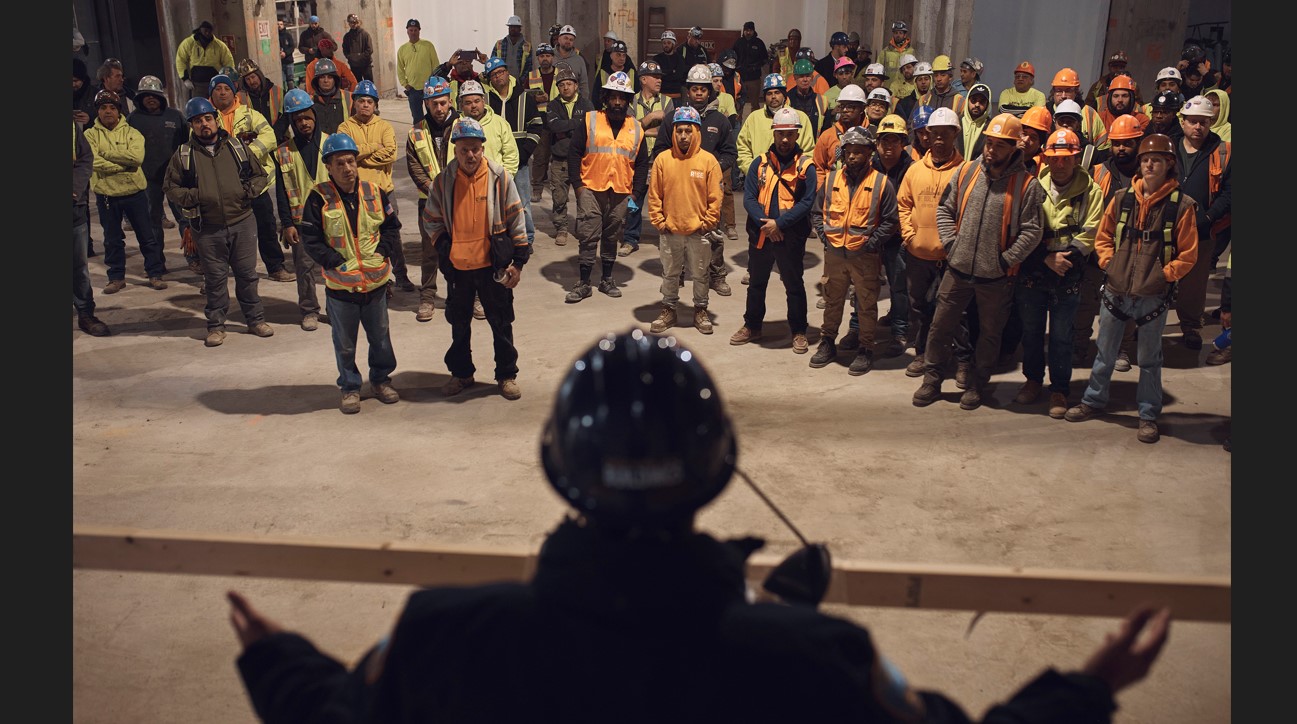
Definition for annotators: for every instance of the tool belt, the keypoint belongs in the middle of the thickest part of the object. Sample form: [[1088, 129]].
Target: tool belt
[[1166, 304]]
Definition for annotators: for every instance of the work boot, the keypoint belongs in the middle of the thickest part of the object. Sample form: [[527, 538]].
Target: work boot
[[824, 354], [625, 249], [800, 345], [1081, 413], [168, 223], [731, 233], [885, 320], [895, 348], [404, 284], [282, 275], [915, 367], [666, 320], [820, 303], [456, 385], [928, 393], [971, 399], [114, 286], [744, 335], [1148, 431], [609, 287], [535, 196], [579, 291], [721, 287], [91, 325], [1192, 340], [1057, 405], [426, 312], [1123, 362], [702, 322], [1028, 393], [478, 311], [1220, 356], [1079, 356], [561, 238], [386, 393], [509, 389], [350, 404], [156, 283], [261, 329], [214, 337], [863, 362], [310, 322], [195, 267], [747, 276], [961, 374], [850, 341]]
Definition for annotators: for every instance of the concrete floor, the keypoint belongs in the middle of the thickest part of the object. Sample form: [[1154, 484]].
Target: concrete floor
[[247, 439]]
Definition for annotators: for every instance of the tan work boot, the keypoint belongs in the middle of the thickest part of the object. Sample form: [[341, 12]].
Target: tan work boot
[[350, 403], [214, 337], [1081, 413], [961, 374], [456, 386], [386, 393], [509, 389], [800, 344], [666, 320], [1057, 405], [478, 311], [114, 286], [1148, 431], [282, 275], [744, 335], [427, 310], [915, 367], [156, 283], [562, 238], [310, 321], [261, 329], [1028, 393], [701, 321]]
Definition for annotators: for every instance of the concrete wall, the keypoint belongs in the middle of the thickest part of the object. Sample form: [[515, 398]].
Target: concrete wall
[[1150, 31]]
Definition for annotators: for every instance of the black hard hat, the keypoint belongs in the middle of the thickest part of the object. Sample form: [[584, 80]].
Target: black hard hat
[[638, 435], [1168, 101]]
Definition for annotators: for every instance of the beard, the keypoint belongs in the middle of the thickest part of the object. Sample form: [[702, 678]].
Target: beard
[[616, 115]]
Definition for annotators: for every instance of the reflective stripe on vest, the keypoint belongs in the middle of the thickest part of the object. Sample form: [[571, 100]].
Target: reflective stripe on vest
[[850, 217], [363, 269], [275, 103], [609, 162], [536, 83], [297, 182], [426, 153], [785, 181]]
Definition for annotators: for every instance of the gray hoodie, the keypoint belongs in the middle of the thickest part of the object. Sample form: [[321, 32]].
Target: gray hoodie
[[973, 247]]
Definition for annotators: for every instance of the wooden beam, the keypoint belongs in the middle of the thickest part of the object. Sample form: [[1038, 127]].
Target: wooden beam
[[855, 583]]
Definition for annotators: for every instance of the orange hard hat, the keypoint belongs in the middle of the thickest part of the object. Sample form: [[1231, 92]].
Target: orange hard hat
[[1122, 82], [1157, 143], [1038, 117], [1005, 126], [1067, 78], [1125, 127], [1062, 142], [1026, 67]]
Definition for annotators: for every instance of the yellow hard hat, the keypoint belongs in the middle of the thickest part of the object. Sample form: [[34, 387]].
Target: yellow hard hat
[[892, 123], [940, 63]]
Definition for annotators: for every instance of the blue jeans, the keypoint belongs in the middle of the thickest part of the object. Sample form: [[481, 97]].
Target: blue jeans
[[522, 182], [345, 319], [634, 223], [1036, 306], [414, 96], [289, 78], [82, 296], [134, 207], [1148, 351]]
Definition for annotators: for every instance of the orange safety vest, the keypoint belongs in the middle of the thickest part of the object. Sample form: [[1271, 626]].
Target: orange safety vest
[[276, 102], [364, 270], [785, 182], [1017, 192], [1219, 162], [851, 217], [609, 162]]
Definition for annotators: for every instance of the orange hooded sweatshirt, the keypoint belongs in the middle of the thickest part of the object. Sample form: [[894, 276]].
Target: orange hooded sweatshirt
[[1129, 281], [684, 194], [916, 204]]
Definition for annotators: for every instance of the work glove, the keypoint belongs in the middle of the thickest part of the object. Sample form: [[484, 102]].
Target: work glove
[[632, 206]]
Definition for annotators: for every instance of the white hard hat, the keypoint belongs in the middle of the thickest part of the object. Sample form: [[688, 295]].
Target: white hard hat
[[620, 81], [879, 94], [1068, 106], [876, 69], [471, 88], [567, 30], [514, 20], [668, 35], [905, 60], [610, 35], [1169, 72], [922, 69], [785, 119], [699, 74], [1197, 106], [943, 117], [852, 92]]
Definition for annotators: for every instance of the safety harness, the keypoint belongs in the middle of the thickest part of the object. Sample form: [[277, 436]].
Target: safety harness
[[189, 177], [1169, 250]]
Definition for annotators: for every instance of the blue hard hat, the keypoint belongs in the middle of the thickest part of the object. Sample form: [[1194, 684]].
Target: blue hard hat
[[687, 114], [217, 80], [840, 38], [492, 64], [466, 127], [774, 81], [436, 86], [338, 143], [296, 100], [365, 88], [197, 107], [919, 117]]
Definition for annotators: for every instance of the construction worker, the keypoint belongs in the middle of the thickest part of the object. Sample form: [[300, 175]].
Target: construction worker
[[692, 51], [309, 40], [850, 113], [618, 63], [671, 64], [844, 74], [164, 129], [1164, 115], [1110, 176], [83, 295], [1037, 122], [786, 54], [716, 134], [853, 215], [1067, 86], [565, 115], [474, 215], [347, 80], [872, 77], [121, 191], [1120, 100], [1116, 67], [827, 66], [568, 55], [1168, 79], [514, 49], [426, 150], [899, 46], [1070, 115], [257, 136], [608, 167], [918, 125], [358, 49], [332, 102], [921, 88], [415, 61], [1141, 277], [970, 74], [509, 101], [299, 166], [892, 160], [349, 227], [258, 92], [215, 180], [375, 141], [917, 198], [804, 98], [1049, 282], [999, 203], [724, 98], [877, 105], [1021, 95], [649, 108], [543, 89], [1203, 171], [684, 204], [779, 190], [818, 83], [199, 58], [974, 121], [943, 93], [902, 84]]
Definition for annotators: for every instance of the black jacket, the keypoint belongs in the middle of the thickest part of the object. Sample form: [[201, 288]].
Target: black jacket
[[163, 133], [718, 138], [1193, 173], [620, 630], [358, 48], [561, 126], [287, 46], [753, 56], [673, 70], [524, 119]]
